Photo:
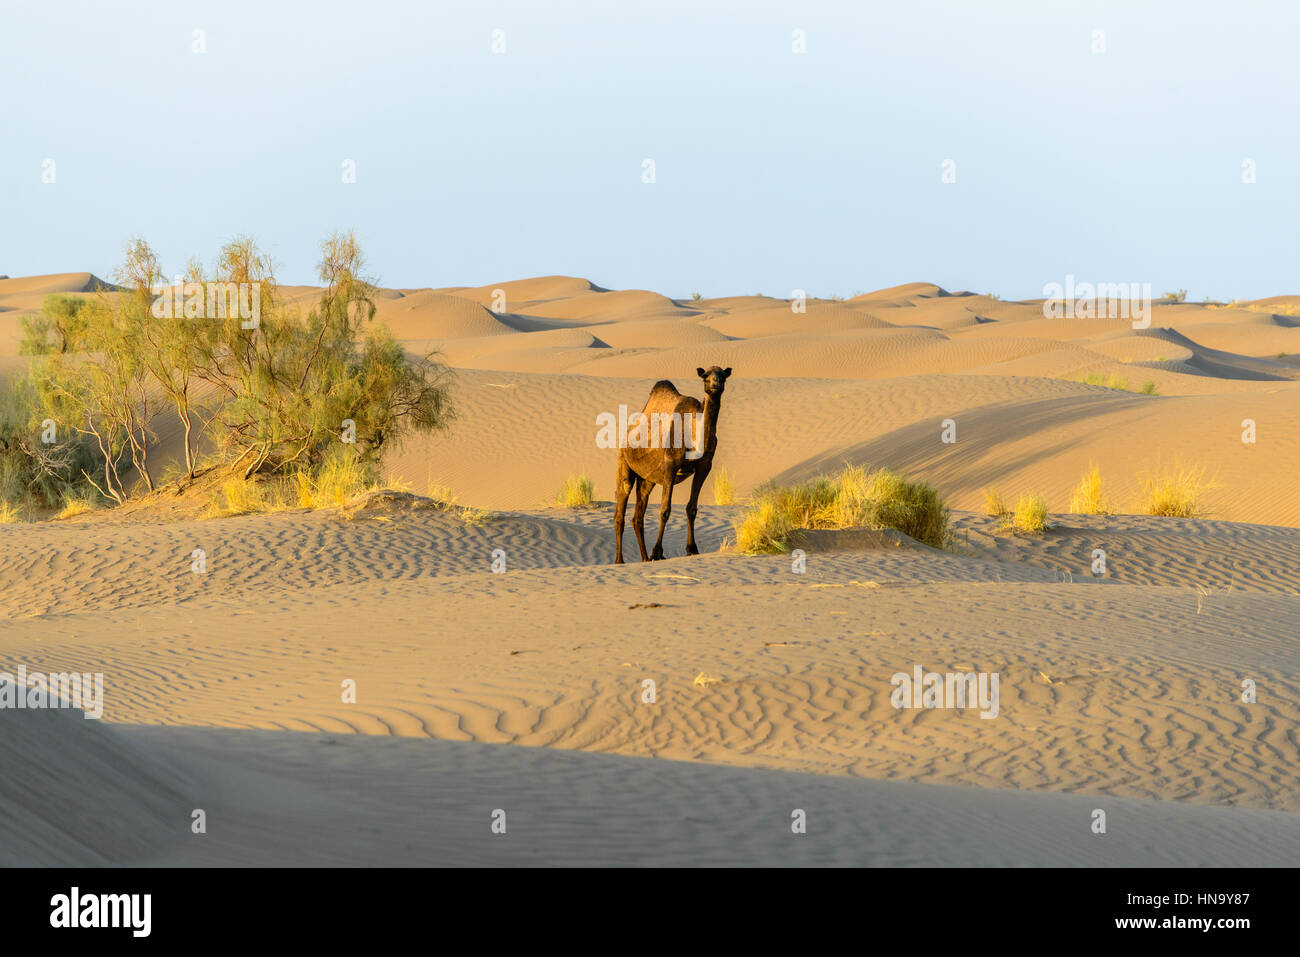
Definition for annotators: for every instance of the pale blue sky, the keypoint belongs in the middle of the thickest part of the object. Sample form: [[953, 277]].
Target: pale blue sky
[[775, 171]]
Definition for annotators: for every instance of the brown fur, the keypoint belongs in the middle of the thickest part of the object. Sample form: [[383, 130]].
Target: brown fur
[[642, 469]]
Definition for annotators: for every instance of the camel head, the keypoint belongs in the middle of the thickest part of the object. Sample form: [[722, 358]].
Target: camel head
[[715, 379]]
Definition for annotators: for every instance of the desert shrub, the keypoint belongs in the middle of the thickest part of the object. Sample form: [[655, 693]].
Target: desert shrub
[[1176, 296], [1087, 497], [93, 374], [993, 503], [724, 491], [577, 491], [1176, 491], [851, 499], [293, 382], [58, 327], [1029, 515], [34, 472], [1149, 387], [288, 388]]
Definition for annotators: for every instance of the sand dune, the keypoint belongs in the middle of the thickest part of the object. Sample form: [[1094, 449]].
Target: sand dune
[[523, 690], [1096, 701]]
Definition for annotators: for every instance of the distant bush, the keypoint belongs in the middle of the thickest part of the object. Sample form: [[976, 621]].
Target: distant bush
[[855, 498], [1179, 296], [1112, 381], [1118, 382]]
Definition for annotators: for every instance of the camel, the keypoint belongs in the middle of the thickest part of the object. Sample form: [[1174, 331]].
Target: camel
[[641, 469]]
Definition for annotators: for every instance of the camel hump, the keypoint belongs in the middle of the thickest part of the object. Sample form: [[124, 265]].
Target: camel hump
[[664, 384]]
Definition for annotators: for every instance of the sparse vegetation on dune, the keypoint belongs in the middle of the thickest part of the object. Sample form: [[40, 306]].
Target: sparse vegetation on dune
[[1176, 491], [1029, 515], [577, 491], [993, 503], [289, 390], [854, 498], [1118, 382], [1087, 497]]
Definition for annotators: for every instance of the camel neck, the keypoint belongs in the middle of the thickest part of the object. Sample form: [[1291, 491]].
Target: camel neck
[[712, 404]]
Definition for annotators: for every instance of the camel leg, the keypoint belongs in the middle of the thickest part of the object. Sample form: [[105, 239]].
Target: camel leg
[[665, 509], [622, 488], [693, 506], [643, 489]]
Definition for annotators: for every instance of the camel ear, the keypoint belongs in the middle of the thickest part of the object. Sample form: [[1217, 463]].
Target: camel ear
[[699, 372], [726, 372]]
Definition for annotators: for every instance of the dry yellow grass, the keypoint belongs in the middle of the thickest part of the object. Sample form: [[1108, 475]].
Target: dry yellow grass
[[238, 497], [993, 503], [337, 479], [724, 492], [1176, 491], [74, 505], [9, 514], [578, 491], [1087, 497], [1029, 516], [855, 498]]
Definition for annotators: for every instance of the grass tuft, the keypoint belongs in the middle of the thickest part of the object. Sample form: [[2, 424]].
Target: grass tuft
[[578, 491], [854, 498], [1029, 516], [724, 491], [1087, 497], [1176, 491], [75, 504], [993, 503]]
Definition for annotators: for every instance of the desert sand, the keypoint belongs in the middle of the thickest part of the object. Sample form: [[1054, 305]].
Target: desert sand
[[523, 690]]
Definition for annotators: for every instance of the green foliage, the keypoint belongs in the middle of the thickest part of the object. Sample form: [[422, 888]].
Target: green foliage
[[58, 327], [288, 389], [35, 473]]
